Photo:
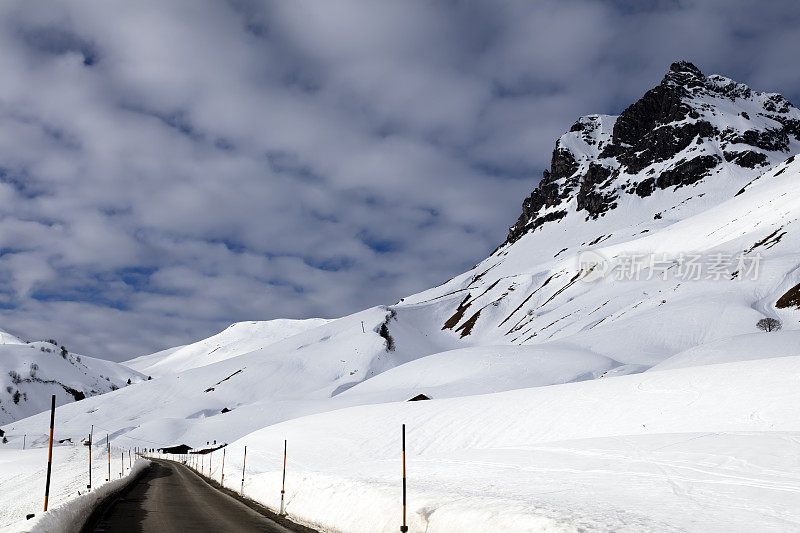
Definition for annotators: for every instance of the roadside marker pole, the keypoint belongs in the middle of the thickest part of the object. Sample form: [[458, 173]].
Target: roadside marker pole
[[404, 527], [222, 475], [24, 437], [50, 449], [130, 463], [244, 461], [121, 463], [89, 486], [108, 452], [283, 483], [210, 456]]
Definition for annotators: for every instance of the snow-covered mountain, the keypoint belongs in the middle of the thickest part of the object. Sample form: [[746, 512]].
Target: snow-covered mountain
[[655, 242], [686, 205], [629, 253], [30, 372]]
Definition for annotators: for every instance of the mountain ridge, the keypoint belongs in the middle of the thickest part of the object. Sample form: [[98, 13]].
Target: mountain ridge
[[602, 157]]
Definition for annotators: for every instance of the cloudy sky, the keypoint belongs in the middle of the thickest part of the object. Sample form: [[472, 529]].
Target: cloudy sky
[[170, 167]]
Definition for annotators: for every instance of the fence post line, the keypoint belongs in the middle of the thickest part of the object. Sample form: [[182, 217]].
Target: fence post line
[[404, 527], [244, 461], [50, 450], [222, 472], [283, 482], [91, 430]]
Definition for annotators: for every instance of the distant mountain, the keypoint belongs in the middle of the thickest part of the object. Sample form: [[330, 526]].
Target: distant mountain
[[30, 372]]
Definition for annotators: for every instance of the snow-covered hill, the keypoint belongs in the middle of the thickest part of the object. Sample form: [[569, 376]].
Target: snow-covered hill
[[656, 241], [239, 338], [31, 372]]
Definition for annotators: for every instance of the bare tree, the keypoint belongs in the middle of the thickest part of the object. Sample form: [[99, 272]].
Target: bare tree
[[769, 324]]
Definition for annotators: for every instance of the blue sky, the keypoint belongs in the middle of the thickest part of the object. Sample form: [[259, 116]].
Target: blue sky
[[167, 168]]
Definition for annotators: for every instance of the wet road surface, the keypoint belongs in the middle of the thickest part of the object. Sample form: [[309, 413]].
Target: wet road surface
[[169, 497]]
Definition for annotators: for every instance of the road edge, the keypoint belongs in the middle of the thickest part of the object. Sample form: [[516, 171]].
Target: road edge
[[105, 503], [256, 506]]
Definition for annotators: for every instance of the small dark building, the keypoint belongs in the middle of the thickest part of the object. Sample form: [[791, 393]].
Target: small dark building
[[181, 448], [419, 397]]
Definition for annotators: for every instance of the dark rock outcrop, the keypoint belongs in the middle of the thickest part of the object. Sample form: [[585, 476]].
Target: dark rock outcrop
[[664, 126]]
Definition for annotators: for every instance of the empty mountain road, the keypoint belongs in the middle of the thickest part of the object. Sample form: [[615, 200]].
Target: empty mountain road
[[169, 497]]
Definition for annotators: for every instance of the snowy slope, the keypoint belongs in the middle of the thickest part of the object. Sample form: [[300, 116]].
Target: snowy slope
[[8, 338], [302, 374], [737, 348], [237, 339], [31, 372], [517, 296], [665, 451]]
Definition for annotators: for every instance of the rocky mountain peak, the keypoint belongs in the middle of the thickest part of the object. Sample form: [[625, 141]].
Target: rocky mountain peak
[[678, 134], [683, 72]]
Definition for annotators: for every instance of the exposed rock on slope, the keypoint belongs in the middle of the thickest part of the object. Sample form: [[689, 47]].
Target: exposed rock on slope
[[680, 132]]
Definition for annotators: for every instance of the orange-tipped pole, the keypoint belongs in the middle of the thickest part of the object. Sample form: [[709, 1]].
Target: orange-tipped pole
[[91, 431], [222, 471], [404, 527], [283, 483], [244, 461], [50, 450]]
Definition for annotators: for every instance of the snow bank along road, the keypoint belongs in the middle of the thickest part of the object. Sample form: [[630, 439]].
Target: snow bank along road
[[170, 497]]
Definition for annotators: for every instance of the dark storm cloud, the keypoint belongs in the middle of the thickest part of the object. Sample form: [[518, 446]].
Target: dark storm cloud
[[169, 167]]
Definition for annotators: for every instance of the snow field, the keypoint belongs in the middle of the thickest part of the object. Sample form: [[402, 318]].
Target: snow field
[[710, 448]]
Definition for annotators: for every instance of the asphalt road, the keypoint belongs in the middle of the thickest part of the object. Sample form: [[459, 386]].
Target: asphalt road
[[169, 497]]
